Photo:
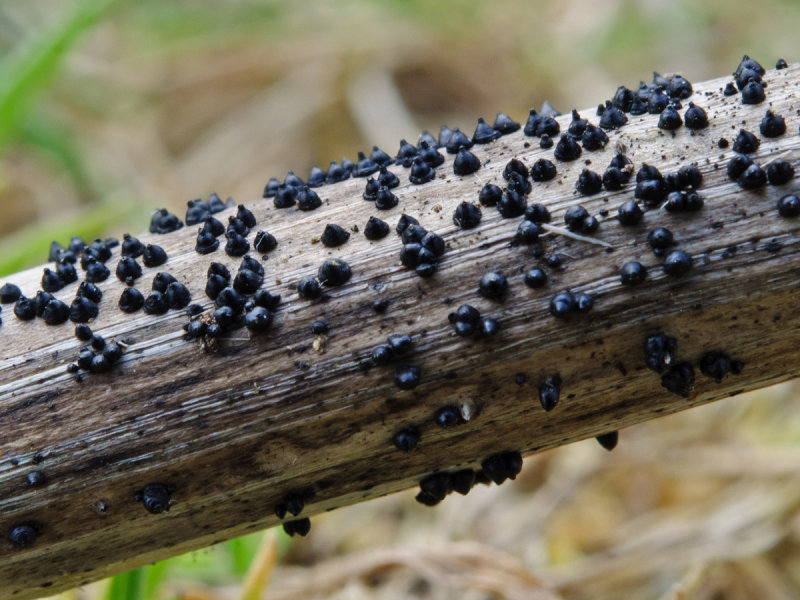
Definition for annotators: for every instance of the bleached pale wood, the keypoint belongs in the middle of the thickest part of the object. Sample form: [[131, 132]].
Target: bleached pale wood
[[237, 430]]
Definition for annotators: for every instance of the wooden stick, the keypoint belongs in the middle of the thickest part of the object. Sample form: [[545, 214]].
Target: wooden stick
[[232, 433]]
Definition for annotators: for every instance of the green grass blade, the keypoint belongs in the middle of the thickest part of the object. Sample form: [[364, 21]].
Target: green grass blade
[[31, 65], [126, 586]]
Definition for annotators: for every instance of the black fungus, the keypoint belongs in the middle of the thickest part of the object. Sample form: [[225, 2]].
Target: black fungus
[[629, 213], [266, 299], [489, 326], [501, 466], [55, 312], [51, 282], [493, 286], [537, 213], [434, 488], [594, 138], [320, 328], [466, 162], [745, 142], [215, 284], [448, 416], [90, 291], [484, 133], [546, 142], [404, 222], [670, 119], [659, 351], [715, 365], [155, 497], [608, 440], [371, 189], [258, 319], [300, 527], [567, 149], [431, 156], [83, 309], [660, 239], [376, 229], [562, 304], [584, 302], [96, 271], [738, 165], [307, 199], [128, 270], [504, 125], [23, 535], [178, 296], [772, 125], [578, 124], [365, 166], [679, 379], [753, 93], [677, 264], [729, 90], [457, 141], [387, 179], [421, 172], [788, 207], [612, 117], [25, 308], [754, 177], [83, 332], [512, 204], [231, 298], [632, 273], [514, 166], [406, 377], [155, 303], [519, 183], [385, 199], [467, 215], [543, 170], [237, 244], [153, 256], [535, 278], [780, 172], [406, 153], [245, 216], [462, 481], [334, 235], [400, 344], [683, 201], [334, 272], [695, 117], [574, 218], [465, 320], [380, 158], [162, 280], [652, 192], [781, 64], [163, 221], [264, 242], [549, 391], [9, 293], [285, 196], [271, 188], [588, 183], [381, 355], [316, 178], [66, 272], [528, 233], [205, 242], [490, 194]]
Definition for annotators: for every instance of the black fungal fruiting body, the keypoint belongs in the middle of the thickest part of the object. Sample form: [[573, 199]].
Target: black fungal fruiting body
[[588, 183], [716, 365], [490, 195], [467, 216], [677, 264], [660, 239], [659, 352], [493, 286], [679, 379], [629, 214], [633, 273], [448, 416], [264, 242], [466, 162], [501, 466], [780, 172], [695, 117], [155, 497], [608, 440], [543, 170], [549, 392], [376, 229], [334, 235], [23, 535], [535, 278], [334, 272], [465, 320], [406, 439], [789, 206], [406, 377], [300, 527]]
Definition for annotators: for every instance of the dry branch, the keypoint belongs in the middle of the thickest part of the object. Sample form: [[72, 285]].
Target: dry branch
[[234, 432]]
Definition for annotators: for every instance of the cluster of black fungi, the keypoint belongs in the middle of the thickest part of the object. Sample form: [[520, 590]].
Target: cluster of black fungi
[[240, 301]]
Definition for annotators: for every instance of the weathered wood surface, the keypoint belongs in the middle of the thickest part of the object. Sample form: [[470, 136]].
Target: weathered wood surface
[[235, 431]]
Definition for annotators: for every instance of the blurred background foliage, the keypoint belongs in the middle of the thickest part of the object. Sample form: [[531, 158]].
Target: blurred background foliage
[[109, 109]]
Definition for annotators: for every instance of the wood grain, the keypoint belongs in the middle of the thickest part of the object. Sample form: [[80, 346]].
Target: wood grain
[[237, 430]]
